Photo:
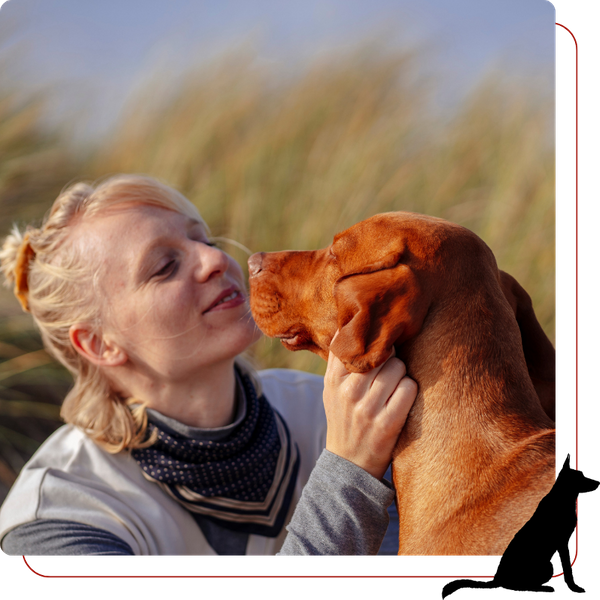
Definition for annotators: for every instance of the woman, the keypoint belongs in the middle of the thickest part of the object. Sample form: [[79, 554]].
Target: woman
[[173, 445]]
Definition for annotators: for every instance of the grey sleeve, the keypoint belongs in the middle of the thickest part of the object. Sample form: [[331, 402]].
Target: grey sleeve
[[342, 511], [54, 537]]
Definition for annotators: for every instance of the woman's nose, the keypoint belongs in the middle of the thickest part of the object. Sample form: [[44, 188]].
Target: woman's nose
[[211, 262]]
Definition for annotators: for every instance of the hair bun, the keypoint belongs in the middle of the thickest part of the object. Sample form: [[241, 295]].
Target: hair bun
[[25, 255]]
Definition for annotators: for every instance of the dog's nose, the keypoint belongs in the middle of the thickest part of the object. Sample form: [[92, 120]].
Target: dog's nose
[[255, 264]]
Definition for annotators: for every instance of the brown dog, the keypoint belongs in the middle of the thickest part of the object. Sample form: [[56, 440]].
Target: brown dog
[[477, 452]]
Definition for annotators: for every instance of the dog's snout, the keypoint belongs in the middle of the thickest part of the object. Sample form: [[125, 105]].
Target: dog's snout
[[255, 264]]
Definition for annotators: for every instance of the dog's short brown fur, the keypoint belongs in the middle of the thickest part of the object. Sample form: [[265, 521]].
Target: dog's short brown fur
[[477, 452]]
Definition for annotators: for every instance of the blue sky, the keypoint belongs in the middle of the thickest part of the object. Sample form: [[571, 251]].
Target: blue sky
[[101, 47]]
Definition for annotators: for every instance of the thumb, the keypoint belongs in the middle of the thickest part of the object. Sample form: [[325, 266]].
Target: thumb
[[335, 367]]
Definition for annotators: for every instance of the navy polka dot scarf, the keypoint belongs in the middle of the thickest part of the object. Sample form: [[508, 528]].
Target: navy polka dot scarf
[[244, 482]]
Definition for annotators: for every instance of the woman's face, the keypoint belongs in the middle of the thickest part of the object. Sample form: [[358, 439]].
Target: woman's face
[[171, 301]]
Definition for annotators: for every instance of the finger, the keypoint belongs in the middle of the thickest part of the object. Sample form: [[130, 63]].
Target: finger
[[401, 401], [335, 373], [335, 368], [384, 385], [387, 379], [387, 383], [392, 371]]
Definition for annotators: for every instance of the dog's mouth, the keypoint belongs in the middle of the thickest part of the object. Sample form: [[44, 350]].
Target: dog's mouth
[[290, 340], [296, 341]]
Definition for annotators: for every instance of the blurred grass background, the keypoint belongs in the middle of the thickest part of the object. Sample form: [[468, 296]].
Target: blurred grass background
[[278, 161]]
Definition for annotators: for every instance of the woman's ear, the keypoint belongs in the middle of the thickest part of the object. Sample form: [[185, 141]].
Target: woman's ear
[[98, 349]]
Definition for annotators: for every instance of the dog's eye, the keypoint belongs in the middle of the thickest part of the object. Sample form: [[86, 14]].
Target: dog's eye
[[331, 253]]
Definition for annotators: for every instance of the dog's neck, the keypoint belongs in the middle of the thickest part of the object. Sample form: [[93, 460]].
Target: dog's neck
[[450, 466], [477, 405]]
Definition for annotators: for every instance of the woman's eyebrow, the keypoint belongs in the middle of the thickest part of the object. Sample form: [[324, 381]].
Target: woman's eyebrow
[[193, 224]]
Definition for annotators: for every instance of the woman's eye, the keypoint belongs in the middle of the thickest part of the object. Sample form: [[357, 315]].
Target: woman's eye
[[166, 270], [202, 240]]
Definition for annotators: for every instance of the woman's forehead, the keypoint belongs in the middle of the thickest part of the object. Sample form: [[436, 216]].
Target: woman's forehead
[[127, 231], [142, 218], [139, 209]]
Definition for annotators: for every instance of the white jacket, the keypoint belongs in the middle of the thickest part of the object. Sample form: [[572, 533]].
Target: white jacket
[[71, 478]]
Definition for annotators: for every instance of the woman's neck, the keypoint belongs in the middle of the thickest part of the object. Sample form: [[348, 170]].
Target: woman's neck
[[206, 400]]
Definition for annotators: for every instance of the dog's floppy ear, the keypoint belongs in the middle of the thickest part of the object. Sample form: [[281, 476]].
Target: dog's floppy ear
[[537, 348], [377, 307]]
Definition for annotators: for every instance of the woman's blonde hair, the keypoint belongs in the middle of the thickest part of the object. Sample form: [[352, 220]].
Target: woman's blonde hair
[[55, 282]]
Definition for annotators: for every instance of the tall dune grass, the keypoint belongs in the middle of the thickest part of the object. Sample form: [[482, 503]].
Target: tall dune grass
[[279, 161], [34, 166]]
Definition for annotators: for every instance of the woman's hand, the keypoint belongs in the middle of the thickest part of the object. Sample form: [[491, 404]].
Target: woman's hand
[[366, 412]]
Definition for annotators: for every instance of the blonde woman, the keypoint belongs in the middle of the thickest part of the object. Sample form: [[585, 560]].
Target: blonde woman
[[172, 444]]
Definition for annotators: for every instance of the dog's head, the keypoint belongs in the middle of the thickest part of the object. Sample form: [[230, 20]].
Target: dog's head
[[375, 284]]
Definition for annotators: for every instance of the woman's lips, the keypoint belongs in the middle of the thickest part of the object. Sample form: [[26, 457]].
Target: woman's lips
[[227, 299]]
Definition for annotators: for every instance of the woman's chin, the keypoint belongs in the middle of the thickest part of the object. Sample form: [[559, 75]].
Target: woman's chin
[[238, 339]]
